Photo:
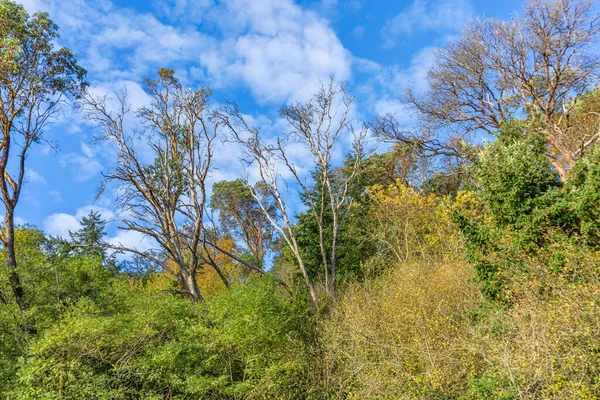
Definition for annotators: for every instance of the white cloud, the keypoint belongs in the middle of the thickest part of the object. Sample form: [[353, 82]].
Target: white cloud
[[105, 213], [17, 220], [86, 150], [20, 221], [33, 176], [132, 240], [384, 86], [274, 47], [82, 167], [59, 224], [423, 15]]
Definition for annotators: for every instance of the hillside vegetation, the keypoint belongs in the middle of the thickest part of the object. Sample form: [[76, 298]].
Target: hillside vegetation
[[460, 261]]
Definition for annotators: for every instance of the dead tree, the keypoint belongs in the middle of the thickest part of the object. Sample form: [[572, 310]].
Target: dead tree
[[319, 127]]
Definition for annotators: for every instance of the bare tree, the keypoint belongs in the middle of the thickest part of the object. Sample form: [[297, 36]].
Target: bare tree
[[164, 199], [319, 127], [420, 154], [35, 79], [536, 66]]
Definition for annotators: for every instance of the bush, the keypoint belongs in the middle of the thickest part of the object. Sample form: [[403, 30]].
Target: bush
[[247, 343], [403, 335]]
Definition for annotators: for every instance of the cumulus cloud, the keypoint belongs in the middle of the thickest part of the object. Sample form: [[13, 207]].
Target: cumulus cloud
[[423, 15], [132, 240], [274, 47], [60, 224]]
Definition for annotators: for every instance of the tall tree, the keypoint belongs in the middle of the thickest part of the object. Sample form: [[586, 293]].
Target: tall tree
[[535, 66], [319, 127], [241, 216], [165, 198], [35, 80]]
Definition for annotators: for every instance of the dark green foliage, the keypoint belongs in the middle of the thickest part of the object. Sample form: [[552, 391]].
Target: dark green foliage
[[514, 175], [515, 182], [353, 247], [580, 206], [526, 211], [87, 240]]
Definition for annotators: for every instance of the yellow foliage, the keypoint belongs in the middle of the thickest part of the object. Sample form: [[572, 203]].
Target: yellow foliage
[[547, 345], [469, 205], [406, 224], [423, 330], [400, 336], [208, 279]]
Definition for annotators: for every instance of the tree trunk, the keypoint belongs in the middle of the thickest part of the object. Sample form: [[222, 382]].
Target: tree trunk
[[191, 286], [332, 284], [309, 284], [11, 260], [561, 166], [560, 169], [311, 288], [324, 255]]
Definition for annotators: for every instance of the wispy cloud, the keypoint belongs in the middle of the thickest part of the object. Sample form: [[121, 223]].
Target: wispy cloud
[[384, 86], [56, 196], [424, 15], [82, 167], [34, 177]]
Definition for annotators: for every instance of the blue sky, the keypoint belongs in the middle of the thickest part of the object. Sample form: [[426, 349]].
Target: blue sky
[[260, 53]]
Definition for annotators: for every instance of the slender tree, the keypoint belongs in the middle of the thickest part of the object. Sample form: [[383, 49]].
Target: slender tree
[[319, 127], [35, 80]]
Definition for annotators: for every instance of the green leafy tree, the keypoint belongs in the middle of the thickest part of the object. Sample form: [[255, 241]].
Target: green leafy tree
[[35, 78], [515, 181], [242, 217], [525, 212]]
